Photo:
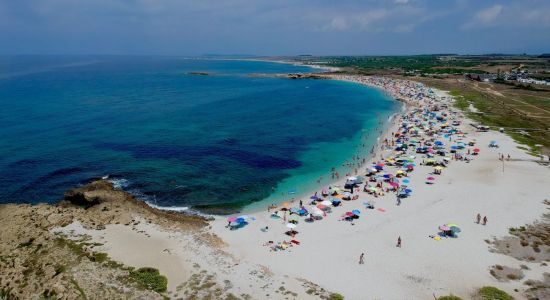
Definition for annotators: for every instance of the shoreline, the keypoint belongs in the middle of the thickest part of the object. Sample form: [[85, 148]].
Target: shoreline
[[388, 127], [238, 262]]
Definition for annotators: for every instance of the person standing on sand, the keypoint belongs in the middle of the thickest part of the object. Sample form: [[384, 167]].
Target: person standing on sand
[[485, 220], [361, 258], [478, 218], [399, 242]]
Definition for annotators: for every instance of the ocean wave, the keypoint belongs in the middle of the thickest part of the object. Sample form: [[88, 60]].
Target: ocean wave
[[118, 183], [169, 208]]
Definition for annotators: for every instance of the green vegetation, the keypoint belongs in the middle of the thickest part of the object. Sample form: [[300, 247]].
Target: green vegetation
[[26, 244], [59, 269], [450, 297], [79, 289], [492, 293], [150, 278], [6, 294], [335, 296], [433, 64]]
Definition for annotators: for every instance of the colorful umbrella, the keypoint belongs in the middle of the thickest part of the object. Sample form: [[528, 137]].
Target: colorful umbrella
[[444, 228], [356, 212]]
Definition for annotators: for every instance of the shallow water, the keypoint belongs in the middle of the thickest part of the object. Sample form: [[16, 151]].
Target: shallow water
[[212, 142]]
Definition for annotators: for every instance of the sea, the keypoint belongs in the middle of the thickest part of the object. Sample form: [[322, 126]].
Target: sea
[[182, 133]]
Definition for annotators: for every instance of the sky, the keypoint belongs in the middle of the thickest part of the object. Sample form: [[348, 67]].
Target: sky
[[274, 27]]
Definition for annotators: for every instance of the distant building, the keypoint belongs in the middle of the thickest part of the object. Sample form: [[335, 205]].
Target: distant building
[[533, 81]]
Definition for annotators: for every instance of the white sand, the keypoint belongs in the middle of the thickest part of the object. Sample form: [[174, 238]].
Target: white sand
[[330, 249]]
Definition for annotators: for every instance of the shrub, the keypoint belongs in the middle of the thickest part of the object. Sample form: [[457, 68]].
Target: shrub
[[492, 293], [450, 297], [150, 278], [336, 296]]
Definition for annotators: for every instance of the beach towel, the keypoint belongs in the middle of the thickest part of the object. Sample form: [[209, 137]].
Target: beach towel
[[381, 209]]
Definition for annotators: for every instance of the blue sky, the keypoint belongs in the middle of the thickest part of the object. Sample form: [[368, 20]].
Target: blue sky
[[273, 27]]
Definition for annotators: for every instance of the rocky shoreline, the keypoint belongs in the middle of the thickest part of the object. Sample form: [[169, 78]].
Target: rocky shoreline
[[35, 262]]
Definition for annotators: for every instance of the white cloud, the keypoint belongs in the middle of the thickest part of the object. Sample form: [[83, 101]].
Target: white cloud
[[338, 23], [485, 17], [368, 21]]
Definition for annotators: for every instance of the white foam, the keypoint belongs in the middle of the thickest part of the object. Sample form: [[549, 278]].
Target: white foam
[[119, 183], [168, 208]]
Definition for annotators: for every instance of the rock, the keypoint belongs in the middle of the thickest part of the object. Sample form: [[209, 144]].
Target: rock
[[94, 193]]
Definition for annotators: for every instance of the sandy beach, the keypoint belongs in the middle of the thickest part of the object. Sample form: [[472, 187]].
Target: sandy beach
[[509, 192]]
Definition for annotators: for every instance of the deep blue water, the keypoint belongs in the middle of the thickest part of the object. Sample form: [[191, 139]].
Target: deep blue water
[[173, 138]]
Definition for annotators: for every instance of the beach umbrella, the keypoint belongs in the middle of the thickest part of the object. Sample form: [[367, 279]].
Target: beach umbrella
[[439, 168], [408, 191], [356, 212], [293, 217], [294, 210], [455, 229], [444, 228], [326, 203], [476, 150], [289, 225], [430, 178], [394, 184], [314, 197], [321, 206], [406, 181], [317, 212]]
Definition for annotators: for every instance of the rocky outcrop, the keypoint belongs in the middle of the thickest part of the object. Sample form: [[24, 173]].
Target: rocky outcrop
[[94, 193], [36, 263]]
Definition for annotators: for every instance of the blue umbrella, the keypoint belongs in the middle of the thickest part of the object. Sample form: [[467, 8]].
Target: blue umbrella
[[356, 212], [406, 181], [408, 191]]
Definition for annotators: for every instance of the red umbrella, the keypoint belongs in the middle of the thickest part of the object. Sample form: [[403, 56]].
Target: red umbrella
[[430, 178], [394, 184], [321, 206], [476, 150]]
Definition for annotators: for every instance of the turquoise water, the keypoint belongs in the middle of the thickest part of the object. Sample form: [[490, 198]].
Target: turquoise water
[[215, 143]]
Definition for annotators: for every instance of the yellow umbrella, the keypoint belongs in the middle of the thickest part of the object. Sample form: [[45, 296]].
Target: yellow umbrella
[[439, 168]]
